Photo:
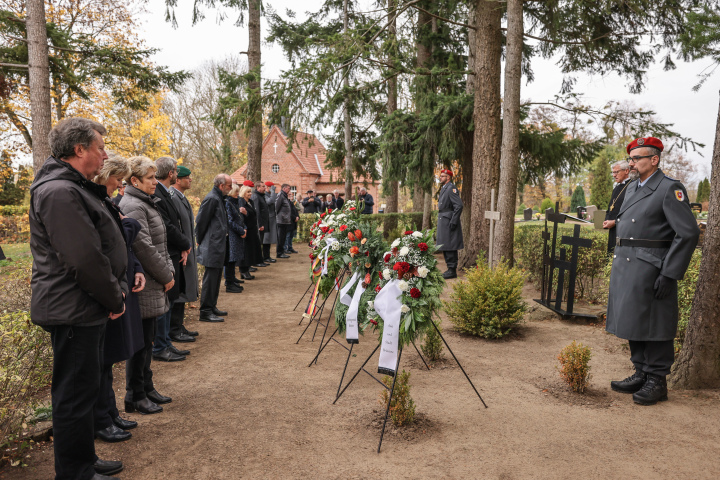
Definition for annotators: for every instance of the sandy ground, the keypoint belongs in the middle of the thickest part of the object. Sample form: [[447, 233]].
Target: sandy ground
[[246, 405]]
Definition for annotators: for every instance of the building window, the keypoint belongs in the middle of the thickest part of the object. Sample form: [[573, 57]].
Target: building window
[[275, 168], [293, 190]]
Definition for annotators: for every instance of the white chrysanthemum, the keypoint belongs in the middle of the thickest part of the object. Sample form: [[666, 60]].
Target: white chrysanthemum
[[423, 271], [387, 273], [336, 246], [404, 251], [395, 243], [417, 234], [403, 285], [404, 309], [371, 304]]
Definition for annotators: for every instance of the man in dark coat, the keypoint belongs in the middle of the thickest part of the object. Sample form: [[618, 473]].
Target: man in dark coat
[[292, 230], [271, 235], [449, 229], [78, 283], [656, 237], [368, 201], [211, 231], [311, 203], [621, 174], [263, 219], [178, 332], [179, 247], [283, 209]]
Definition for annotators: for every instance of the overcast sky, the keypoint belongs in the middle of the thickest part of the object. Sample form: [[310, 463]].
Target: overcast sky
[[670, 94]]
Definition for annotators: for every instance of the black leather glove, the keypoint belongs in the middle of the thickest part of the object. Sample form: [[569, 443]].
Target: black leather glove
[[453, 227], [663, 286]]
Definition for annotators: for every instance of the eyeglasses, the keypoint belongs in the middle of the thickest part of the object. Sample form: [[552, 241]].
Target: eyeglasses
[[637, 158]]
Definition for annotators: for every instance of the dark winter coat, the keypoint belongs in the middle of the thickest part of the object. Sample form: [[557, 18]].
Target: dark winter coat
[[339, 202], [187, 219], [449, 229], [369, 202], [236, 229], [253, 247], [270, 236], [659, 210], [178, 240], [150, 247], [124, 335], [616, 201], [311, 206], [294, 215], [282, 207], [79, 255], [263, 214], [211, 230]]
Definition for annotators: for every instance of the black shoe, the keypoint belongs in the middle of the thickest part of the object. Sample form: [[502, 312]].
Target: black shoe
[[247, 276], [107, 467], [233, 288], [262, 264], [450, 273], [113, 434], [144, 406], [210, 317], [236, 281], [177, 351], [192, 333], [124, 424], [655, 390], [182, 337], [157, 398], [631, 384], [292, 250], [168, 355], [252, 269], [283, 255], [270, 260], [97, 476]]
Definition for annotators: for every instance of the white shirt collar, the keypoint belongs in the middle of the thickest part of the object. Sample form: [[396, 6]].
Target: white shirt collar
[[642, 184], [178, 192]]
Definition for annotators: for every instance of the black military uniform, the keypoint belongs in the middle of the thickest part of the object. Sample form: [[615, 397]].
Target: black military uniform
[[449, 229], [616, 201]]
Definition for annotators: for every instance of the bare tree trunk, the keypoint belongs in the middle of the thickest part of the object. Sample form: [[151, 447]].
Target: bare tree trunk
[[698, 365], [393, 196], [346, 115], [510, 154], [486, 147], [39, 74], [255, 139], [418, 199], [427, 210], [467, 158]]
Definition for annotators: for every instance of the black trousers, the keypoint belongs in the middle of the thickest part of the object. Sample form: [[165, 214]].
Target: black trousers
[[77, 360], [210, 288], [138, 376], [653, 357], [451, 258], [266, 250], [177, 318], [105, 407], [282, 234]]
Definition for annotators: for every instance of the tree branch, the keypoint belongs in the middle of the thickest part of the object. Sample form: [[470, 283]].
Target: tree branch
[[13, 65], [445, 19]]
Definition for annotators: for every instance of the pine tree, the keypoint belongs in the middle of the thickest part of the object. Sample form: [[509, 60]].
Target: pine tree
[[577, 199], [602, 181], [700, 197]]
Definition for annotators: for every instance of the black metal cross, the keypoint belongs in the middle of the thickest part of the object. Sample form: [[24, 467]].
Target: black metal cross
[[576, 242]]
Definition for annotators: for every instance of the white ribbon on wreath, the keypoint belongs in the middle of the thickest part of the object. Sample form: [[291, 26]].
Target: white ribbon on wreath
[[351, 323], [388, 306], [329, 241]]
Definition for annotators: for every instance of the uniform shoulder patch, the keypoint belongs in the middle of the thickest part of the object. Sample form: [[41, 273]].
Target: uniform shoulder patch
[[679, 195], [454, 190]]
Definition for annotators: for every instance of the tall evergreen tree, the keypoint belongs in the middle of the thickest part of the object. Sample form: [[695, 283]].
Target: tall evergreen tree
[[602, 181], [577, 199]]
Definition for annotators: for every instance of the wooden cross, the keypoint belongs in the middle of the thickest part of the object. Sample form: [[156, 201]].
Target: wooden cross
[[275, 147], [556, 217], [493, 216], [576, 242]]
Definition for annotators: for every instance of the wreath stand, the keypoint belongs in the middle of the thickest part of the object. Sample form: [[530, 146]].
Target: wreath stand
[[392, 389], [317, 315]]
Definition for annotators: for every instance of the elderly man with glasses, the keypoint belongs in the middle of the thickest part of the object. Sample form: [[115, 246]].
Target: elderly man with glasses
[[656, 236], [621, 175]]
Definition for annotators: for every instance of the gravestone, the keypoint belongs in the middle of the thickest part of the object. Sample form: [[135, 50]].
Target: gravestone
[[590, 211], [599, 218], [527, 214]]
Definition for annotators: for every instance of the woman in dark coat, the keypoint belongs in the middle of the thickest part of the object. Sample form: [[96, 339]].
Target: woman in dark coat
[[123, 336], [253, 245], [236, 233]]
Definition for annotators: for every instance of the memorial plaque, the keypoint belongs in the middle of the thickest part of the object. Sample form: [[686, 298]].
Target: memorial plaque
[[590, 212], [527, 214], [696, 207]]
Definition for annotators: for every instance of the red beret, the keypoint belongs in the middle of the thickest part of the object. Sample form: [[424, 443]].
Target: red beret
[[248, 183], [447, 172], [645, 142], [269, 184]]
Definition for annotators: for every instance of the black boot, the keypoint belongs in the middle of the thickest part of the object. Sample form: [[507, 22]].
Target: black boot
[[631, 384], [654, 390], [450, 273]]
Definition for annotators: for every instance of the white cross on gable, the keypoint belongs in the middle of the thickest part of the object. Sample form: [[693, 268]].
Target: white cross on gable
[[275, 147]]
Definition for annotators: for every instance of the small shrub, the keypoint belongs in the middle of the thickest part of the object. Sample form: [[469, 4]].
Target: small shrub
[[574, 368], [433, 345], [402, 407], [521, 209], [488, 303], [546, 203]]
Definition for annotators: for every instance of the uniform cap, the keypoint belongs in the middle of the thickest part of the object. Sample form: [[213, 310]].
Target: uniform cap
[[269, 184], [645, 142], [248, 183], [183, 171], [447, 172]]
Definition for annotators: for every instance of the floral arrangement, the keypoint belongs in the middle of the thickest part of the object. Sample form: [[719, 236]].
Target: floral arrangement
[[412, 262], [366, 248]]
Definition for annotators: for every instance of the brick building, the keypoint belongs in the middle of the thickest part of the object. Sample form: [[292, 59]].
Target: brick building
[[303, 168]]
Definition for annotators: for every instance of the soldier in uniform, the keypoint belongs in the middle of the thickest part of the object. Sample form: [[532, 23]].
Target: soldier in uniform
[[621, 175], [449, 230], [656, 236]]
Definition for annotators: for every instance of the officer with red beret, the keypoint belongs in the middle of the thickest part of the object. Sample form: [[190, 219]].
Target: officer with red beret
[[449, 230], [656, 236]]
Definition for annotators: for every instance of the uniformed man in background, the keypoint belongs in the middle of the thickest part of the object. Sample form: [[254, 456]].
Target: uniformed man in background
[[656, 236], [449, 230]]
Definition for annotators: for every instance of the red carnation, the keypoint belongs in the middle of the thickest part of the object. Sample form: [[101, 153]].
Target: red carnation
[[386, 258], [380, 275], [374, 322], [414, 293], [311, 257], [352, 208], [329, 210], [377, 288], [322, 215], [324, 229], [367, 254], [394, 250], [423, 246], [401, 267], [331, 230], [330, 257], [343, 228], [408, 232]]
